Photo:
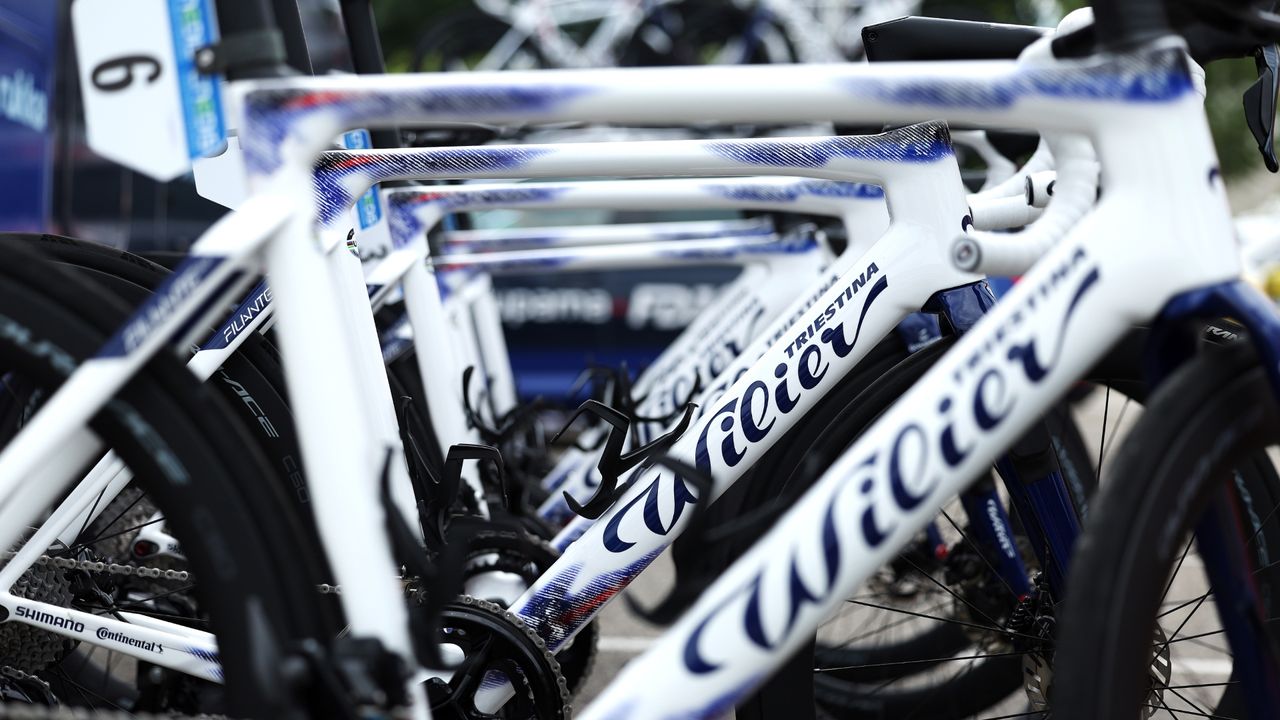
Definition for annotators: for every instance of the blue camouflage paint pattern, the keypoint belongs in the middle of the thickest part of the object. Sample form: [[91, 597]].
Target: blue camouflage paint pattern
[[776, 193], [1158, 78], [923, 143], [207, 656], [555, 611], [335, 168], [403, 204], [270, 115]]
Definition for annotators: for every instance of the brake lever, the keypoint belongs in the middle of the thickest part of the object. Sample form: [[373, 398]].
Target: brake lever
[[1260, 102]]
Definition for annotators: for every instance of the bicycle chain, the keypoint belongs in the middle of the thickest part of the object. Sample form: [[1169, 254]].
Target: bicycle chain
[[17, 674], [141, 571], [22, 711]]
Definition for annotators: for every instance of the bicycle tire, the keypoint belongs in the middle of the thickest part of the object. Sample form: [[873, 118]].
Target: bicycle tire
[[1214, 415], [188, 452]]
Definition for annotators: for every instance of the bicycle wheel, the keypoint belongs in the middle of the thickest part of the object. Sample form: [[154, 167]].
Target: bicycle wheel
[[933, 640], [1141, 634], [251, 380], [186, 450]]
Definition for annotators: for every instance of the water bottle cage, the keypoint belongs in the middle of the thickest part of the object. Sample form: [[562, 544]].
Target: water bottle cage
[[613, 461]]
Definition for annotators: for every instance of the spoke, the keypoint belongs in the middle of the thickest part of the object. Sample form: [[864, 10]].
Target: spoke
[[1119, 419], [1266, 567], [950, 592], [89, 516], [1102, 442], [1201, 643], [1027, 714], [968, 669], [1187, 638], [1187, 700], [157, 596], [1182, 605], [1176, 568], [1263, 524], [888, 626], [127, 530], [1167, 708], [111, 658], [80, 688], [981, 554], [97, 539], [926, 661], [1191, 712], [1184, 622], [953, 621], [149, 613], [866, 596], [1197, 685]]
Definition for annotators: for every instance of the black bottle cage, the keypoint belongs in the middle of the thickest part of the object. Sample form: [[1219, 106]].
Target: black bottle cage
[[488, 434], [521, 416], [444, 576], [434, 510], [613, 462]]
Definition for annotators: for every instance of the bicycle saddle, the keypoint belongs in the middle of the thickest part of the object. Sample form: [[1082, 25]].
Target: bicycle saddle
[[926, 38]]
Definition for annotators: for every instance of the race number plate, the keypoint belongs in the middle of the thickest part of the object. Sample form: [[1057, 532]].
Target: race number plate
[[146, 106]]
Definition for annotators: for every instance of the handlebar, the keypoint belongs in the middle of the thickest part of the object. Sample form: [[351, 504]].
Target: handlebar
[[1075, 189], [1001, 213]]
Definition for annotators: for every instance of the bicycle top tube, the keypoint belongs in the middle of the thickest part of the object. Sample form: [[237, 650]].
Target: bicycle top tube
[[342, 175], [304, 114], [661, 253], [573, 235], [782, 194], [414, 210]]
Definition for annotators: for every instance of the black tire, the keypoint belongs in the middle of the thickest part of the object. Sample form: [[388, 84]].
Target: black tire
[[1205, 427], [186, 450]]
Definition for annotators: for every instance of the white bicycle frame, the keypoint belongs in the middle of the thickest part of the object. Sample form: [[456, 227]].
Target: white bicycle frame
[[1133, 106], [473, 299], [923, 189], [413, 212], [520, 237], [201, 658]]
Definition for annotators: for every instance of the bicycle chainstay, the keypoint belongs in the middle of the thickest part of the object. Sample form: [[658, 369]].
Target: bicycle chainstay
[[19, 711]]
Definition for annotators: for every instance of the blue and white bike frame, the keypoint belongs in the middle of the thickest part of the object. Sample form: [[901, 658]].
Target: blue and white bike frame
[[413, 212], [519, 237], [1117, 267]]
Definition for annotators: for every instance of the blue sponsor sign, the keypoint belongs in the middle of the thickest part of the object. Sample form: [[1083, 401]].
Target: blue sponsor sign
[[28, 61]]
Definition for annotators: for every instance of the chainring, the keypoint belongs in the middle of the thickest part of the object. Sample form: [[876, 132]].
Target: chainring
[[494, 550], [497, 646]]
